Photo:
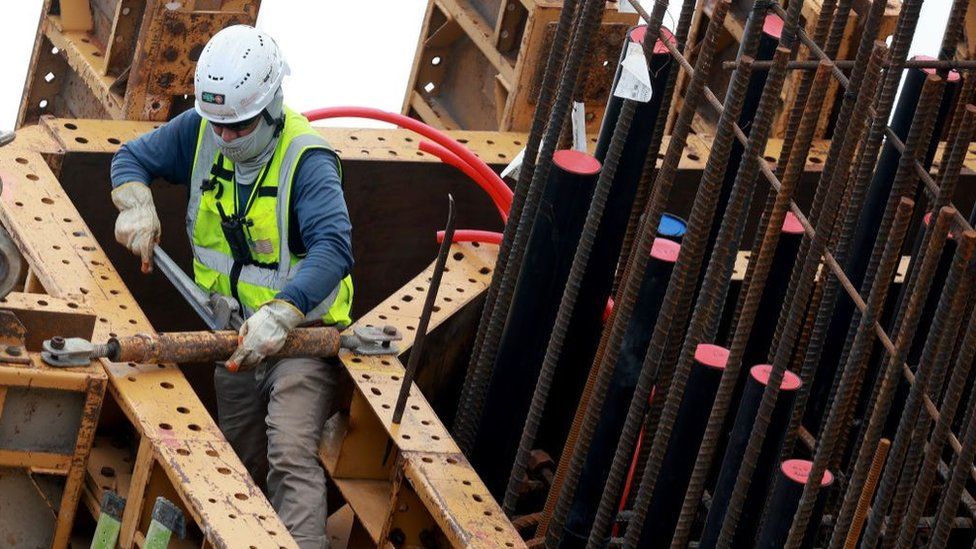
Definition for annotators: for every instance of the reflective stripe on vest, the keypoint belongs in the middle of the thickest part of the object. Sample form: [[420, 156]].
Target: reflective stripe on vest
[[214, 266]]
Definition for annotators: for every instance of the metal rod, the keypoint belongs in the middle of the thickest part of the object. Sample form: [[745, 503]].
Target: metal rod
[[435, 283], [853, 369], [866, 494], [478, 372], [847, 64], [637, 264]]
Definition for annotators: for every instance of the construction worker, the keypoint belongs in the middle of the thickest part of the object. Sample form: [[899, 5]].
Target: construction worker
[[268, 226]]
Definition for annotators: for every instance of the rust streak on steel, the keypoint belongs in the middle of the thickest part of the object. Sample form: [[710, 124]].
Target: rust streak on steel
[[947, 313], [846, 64], [774, 216], [950, 402], [636, 267], [866, 493], [185, 347], [904, 185], [792, 315], [853, 370], [478, 373]]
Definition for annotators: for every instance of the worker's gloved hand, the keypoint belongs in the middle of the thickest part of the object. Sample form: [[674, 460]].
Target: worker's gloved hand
[[264, 334], [137, 227]]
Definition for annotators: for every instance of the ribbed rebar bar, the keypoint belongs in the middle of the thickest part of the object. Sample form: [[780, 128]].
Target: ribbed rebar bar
[[906, 447], [957, 484], [567, 303], [843, 64], [753, 290], [918, 291], [904, 185], [947, 412], [854, 368], [866, 493], [797, 109], [678, 297], [478, 373], [624, 306], [791, 313], [653, 22]]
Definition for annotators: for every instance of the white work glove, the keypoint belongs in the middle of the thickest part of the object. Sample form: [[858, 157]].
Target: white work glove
[[264, 334], [137, 227]]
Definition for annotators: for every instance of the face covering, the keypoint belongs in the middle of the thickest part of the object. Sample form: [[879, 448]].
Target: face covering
[[251, 152]]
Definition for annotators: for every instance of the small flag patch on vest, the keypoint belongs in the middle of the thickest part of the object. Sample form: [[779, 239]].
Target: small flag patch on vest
[[210, 97], [262, 246]]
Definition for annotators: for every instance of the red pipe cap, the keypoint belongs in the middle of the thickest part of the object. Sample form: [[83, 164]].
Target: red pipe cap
[[712, 356], [791, 224], [953, 74], [665, 250], [791, 381], [798, 470], [773, 26], [639, 33], [576, 162]]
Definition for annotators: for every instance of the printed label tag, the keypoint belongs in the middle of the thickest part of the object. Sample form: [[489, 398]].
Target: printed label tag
[[515, 166], [624, 6], [635, 79], [579, 126]]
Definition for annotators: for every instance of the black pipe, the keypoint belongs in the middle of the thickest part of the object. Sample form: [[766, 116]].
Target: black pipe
[[768, 458], [597, 466], [679, 459], [867, 229], [757, 347], [583, 333], [541, 281], [791, 476]]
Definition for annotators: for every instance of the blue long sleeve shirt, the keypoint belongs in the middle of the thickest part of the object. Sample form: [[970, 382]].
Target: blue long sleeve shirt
[[320, 225]]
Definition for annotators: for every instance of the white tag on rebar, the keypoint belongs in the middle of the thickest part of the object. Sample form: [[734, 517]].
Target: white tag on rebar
[[515, 166], [579, 126], [624, 6], [635, 79]]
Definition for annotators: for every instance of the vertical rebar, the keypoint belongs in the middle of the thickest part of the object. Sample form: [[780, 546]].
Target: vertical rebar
[[854, 368], [478, 372], [557, 337], [905, 181], [954, 488], [892, 375], [637, 263], [763, 260], [947, 412], [792, 316]]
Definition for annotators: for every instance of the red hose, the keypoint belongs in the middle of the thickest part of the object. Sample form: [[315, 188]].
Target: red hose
[[452, 159], [487, 175]]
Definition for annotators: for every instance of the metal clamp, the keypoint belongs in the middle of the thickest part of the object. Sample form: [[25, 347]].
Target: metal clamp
[[67, 352], [372, 340]]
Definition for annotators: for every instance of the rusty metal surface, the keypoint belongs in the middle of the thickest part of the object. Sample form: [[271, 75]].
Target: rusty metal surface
[[208, 347]]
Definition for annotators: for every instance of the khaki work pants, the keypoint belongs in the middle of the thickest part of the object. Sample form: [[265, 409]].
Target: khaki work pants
[[273, 417]]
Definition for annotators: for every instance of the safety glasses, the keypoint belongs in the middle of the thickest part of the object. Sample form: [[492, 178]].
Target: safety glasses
[[236, 126]]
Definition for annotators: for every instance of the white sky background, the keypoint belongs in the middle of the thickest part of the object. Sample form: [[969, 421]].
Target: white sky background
[[341, 53]]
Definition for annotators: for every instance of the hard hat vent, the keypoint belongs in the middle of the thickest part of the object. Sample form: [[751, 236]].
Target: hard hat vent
[[247, 77]]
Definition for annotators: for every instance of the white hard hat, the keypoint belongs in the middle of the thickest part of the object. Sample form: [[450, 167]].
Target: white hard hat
[[237, 74]]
